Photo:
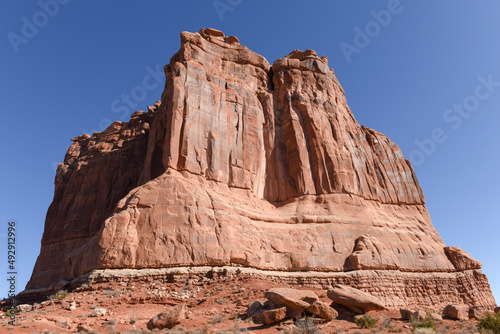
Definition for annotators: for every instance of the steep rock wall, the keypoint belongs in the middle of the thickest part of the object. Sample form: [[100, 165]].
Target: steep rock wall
[[243, 164]]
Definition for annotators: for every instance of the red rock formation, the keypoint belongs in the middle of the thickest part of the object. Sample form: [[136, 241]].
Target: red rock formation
[[248, 164]]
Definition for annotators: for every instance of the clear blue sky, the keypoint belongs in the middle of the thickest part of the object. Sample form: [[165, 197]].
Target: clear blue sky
[[406, 76]]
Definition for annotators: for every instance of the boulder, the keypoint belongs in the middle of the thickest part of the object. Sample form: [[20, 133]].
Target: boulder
[[23, 308], [296, 301], [354, 299], [168, 318], [322, 310], [406, 313], [461, 259], [419, 315], [268, 305], [457, 312], [436, 316], [255, 308], [474, 313], [270, 316]]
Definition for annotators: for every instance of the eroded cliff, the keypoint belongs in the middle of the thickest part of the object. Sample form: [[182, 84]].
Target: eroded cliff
[[248, 164]]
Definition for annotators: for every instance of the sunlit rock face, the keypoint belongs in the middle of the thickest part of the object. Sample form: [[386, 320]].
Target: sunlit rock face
[[248, 164]]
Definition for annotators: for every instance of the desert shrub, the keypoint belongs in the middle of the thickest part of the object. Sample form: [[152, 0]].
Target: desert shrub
[[427, 323], [306, 326], [366, 321], [215, 319], [490, 322], [235, 329], [59, 295], [424, 330], [387, 323]]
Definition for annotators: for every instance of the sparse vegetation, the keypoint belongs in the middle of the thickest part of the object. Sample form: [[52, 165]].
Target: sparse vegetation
[[427, 324], [65, 324], [366, 321], [306, 326], [59, 295], [424, 330], [490, 322], [387, 323], [215, 319]]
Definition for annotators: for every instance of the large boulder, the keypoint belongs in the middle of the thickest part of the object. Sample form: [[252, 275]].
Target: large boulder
[[296, 301], [168, 318], [406, 313], [354, 299], [322, 310], [255, 308], [270, 316], [457, 312]]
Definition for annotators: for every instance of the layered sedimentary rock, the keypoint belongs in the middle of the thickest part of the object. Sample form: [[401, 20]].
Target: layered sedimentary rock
[[247, 164]]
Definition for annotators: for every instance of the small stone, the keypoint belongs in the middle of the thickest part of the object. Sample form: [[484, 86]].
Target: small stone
[[71, 306], [436, 316], [98, 312], [84, 328]]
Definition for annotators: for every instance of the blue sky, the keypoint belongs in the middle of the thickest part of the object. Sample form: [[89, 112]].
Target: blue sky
[[425, 73]]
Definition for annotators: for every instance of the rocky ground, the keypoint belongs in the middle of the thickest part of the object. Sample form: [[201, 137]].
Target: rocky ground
[[217, 304]]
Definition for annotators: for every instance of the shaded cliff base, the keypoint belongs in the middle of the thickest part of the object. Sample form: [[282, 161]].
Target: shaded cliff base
[[394, 288], [218, 298]]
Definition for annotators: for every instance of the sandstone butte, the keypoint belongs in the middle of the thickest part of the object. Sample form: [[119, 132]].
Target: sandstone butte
[[257, 166]]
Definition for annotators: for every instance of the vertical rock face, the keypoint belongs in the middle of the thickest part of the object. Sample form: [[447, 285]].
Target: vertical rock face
[[244, 163]]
